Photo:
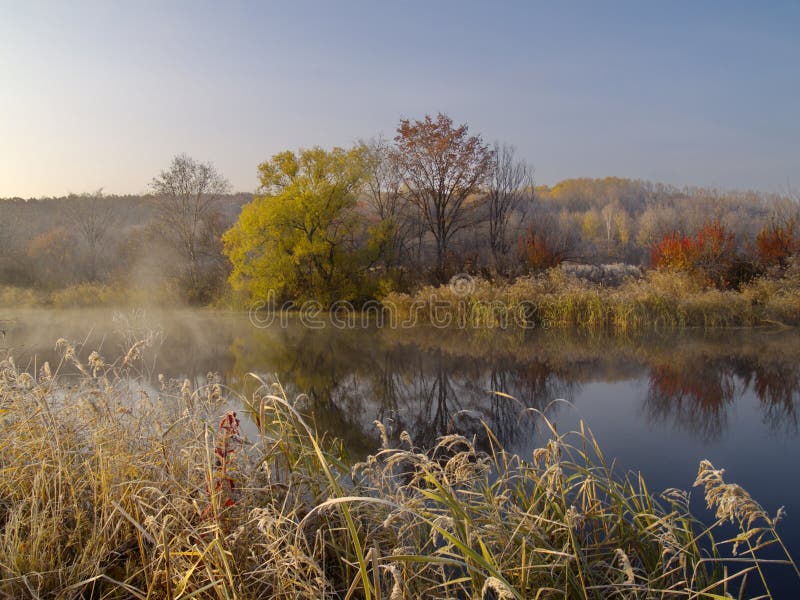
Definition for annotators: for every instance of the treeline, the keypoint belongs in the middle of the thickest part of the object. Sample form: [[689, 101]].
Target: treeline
[[383, 216], [153, 243]]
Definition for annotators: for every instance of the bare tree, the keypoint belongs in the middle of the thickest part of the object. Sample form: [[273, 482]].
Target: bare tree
[[91, 217], [510, 186], [382, 183], [441, 167], [186, 197]]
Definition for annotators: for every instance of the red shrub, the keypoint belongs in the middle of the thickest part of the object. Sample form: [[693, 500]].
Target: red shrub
[[712, 253], [777, 242]]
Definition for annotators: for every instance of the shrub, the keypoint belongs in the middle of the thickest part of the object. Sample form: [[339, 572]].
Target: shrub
[[777, 242], [538, 253], [83, 295], [712, 253], [662, 300]]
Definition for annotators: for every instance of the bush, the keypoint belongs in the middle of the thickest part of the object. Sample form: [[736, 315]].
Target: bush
[[777, 242], [84, 295], [711, 253]]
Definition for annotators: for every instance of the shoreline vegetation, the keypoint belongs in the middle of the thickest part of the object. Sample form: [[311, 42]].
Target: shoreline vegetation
[[111, 488], [555, 299], [655, 301]]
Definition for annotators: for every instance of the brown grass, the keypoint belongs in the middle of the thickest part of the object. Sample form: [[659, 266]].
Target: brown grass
[[110, 488], [555, 300]]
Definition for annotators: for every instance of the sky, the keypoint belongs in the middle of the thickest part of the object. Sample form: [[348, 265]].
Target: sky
[[104, 94]]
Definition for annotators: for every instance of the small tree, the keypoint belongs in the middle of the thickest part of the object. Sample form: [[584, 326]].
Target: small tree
[[186, 198], [716, 253], [391, 226], [509, 187], [674, 252], [549, 241], [711, 253], [441, 166], [52, 253]]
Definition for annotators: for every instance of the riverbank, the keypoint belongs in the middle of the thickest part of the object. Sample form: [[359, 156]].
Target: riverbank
[[555, 300], [110, 488]]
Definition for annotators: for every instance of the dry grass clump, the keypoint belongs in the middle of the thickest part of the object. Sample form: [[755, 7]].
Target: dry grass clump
[[556, 299], [113, 488], [84, 295], [87, 295], [11, 296]]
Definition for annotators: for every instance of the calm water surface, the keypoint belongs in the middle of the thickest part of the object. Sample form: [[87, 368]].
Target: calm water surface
[[657, 405]]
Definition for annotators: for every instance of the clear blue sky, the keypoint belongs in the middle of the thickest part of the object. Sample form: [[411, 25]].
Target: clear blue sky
[[104, 94]]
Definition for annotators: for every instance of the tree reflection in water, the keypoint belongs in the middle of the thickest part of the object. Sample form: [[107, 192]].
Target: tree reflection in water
[[692, 396], [444, 386], [777, 386], [694, 392], [430, 382], [352, 379]]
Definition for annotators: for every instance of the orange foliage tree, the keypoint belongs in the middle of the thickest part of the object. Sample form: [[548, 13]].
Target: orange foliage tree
[[675, 252]]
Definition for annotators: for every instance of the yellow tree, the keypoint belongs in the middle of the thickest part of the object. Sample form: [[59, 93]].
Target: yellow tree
[[301, 237]]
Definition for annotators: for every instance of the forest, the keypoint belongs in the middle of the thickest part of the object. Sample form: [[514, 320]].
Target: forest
[[382, 216]]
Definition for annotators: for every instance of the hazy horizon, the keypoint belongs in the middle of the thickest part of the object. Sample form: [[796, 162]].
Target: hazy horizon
[[103, 95]]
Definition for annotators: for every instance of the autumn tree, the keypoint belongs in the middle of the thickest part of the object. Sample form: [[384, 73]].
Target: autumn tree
[[441, 167], [302, 237], [186, 203], [509, 187], [53, 258], [674, 252], [592, 224], [654, 223]]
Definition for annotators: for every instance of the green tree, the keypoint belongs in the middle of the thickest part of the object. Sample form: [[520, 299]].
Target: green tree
[[302, 236]]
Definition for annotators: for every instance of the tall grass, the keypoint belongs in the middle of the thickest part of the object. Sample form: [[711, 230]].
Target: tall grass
[[112, 488], [86, 295], [557, 300]]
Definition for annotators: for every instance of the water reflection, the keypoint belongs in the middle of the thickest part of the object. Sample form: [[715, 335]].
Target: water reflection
[[431, 382], [695, 393], [352, 379], [658, 405], [693, 396]]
